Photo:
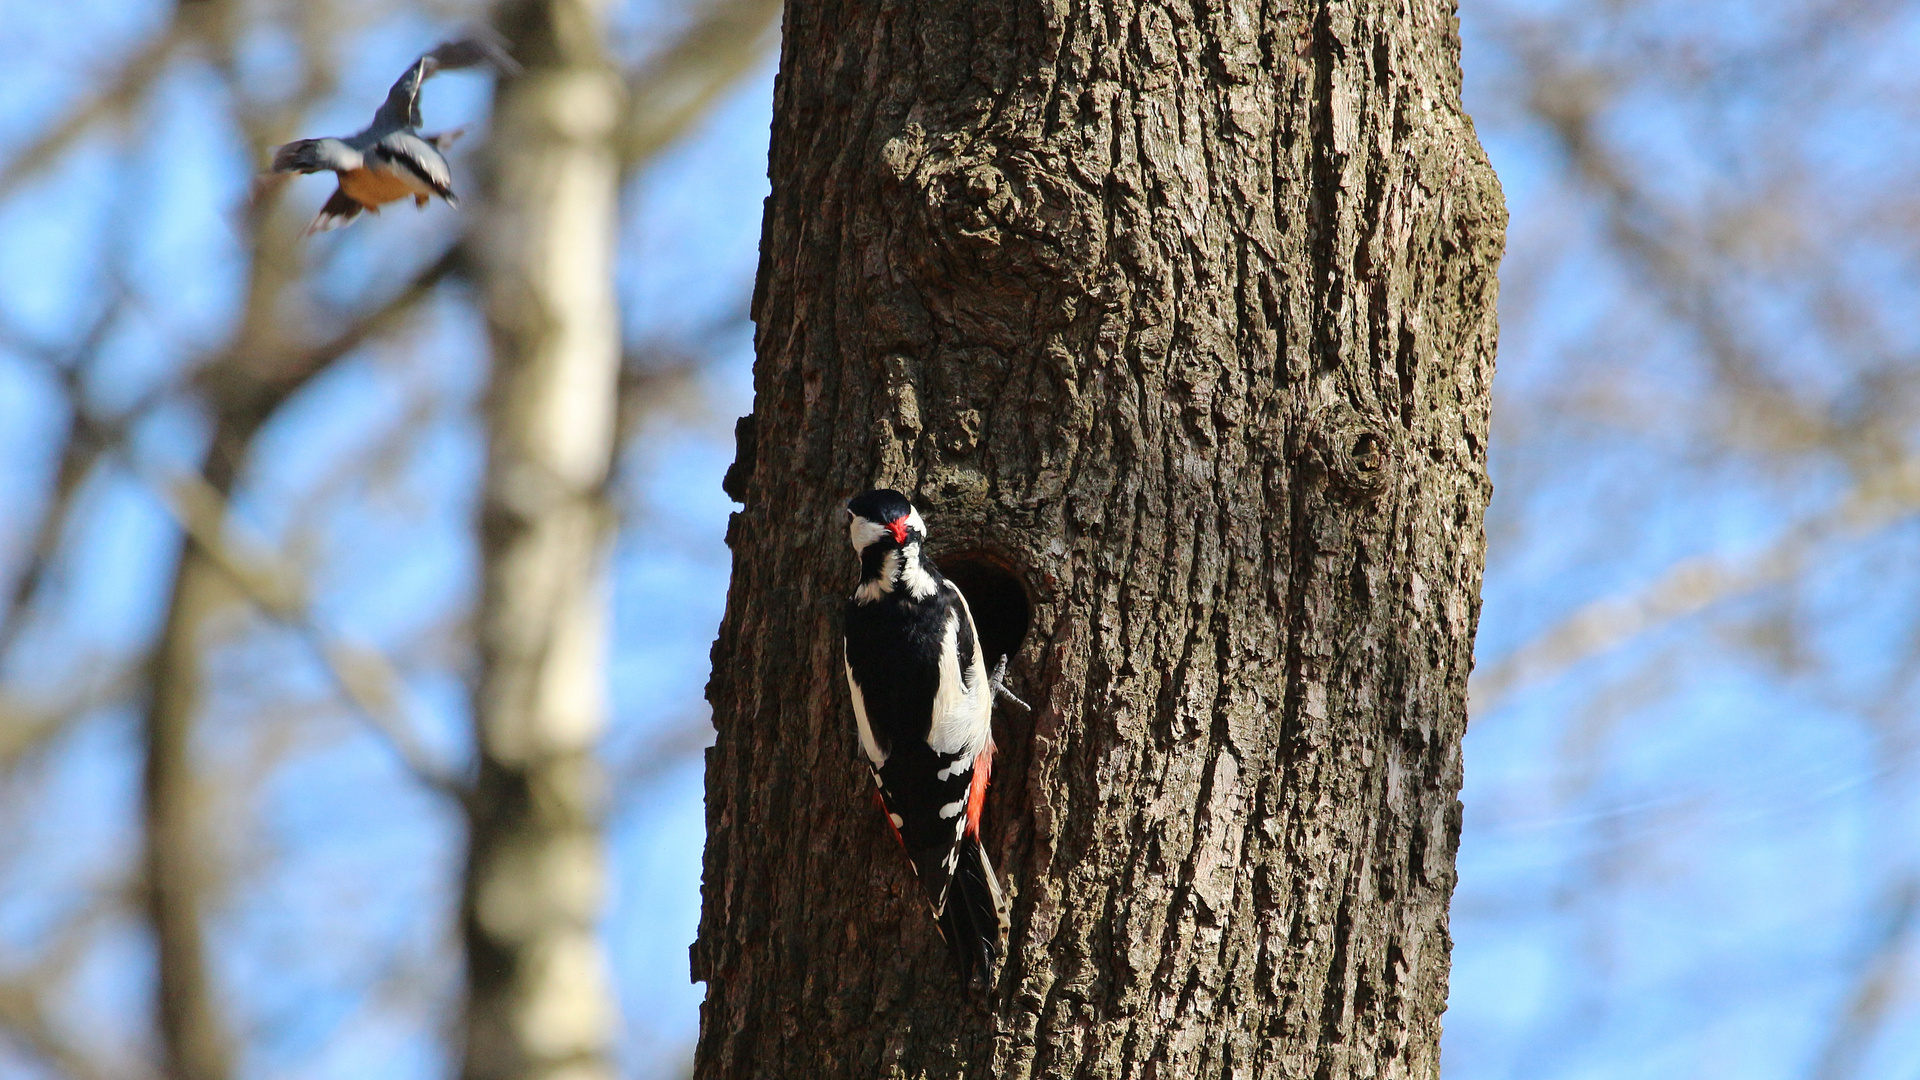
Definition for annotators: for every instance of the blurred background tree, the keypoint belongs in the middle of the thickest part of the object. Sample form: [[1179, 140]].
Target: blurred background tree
[[1692, 816], [242, 476]]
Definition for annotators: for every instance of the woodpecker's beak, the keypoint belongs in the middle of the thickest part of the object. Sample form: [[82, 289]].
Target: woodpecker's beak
[[899, 530]]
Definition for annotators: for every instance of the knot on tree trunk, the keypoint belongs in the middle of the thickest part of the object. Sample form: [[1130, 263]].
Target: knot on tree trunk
[[1360, 454]]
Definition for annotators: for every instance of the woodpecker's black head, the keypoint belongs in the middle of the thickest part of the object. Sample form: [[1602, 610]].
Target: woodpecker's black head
[[883, 516]]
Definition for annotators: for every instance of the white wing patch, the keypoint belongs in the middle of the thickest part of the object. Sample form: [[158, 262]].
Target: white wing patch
[[867, 742], [962, 709]]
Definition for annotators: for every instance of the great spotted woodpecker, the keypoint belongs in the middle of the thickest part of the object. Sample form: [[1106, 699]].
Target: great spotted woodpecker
[[923, 701], [390, 159]]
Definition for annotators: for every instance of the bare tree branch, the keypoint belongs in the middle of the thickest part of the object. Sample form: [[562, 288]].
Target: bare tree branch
[[244, 388], [26, 727], [1691, 586], [24, 1017], [23, 995], [86, 438], [121, 94], [1876, 986], [365, 679]]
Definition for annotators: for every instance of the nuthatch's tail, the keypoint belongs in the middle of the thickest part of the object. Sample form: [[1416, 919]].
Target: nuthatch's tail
[[338, 211]]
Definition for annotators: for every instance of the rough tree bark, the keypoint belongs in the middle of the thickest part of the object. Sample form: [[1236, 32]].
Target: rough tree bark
[[1182, 322], [539, 1000]]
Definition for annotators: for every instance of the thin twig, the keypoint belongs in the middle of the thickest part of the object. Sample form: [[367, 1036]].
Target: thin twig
[[1876, 985], [679, 85], [119, 96]]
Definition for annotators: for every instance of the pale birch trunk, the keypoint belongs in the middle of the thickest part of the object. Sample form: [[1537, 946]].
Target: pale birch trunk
[[539, 998]]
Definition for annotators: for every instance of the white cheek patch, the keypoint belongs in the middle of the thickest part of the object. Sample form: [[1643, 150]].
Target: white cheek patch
[[861, 532], [915, 523]]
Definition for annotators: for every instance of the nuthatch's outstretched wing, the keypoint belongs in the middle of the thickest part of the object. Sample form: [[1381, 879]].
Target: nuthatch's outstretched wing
[[402, 107]]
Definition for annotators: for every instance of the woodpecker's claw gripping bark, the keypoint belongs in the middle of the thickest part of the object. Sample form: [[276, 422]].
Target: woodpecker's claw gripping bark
[[999, 681]]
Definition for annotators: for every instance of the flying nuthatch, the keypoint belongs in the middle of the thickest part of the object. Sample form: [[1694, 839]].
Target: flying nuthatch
[[391, 159]]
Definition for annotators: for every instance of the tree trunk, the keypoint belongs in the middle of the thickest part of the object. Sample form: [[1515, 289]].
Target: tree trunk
[[1178, 325], [539, 1000]]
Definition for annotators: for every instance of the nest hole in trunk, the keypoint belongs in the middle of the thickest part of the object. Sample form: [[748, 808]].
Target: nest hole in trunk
[[994, 595]]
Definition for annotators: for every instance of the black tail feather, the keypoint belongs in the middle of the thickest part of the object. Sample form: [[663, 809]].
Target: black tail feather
[[975, 920]]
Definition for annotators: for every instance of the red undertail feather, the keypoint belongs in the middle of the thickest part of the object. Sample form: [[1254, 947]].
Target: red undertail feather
[[977, 794]]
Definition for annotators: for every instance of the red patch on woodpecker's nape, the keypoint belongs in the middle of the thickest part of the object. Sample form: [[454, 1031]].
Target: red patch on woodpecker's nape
[[898, 527]]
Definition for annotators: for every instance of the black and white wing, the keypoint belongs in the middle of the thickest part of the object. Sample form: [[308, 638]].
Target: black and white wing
[[417, 159], [923, 704], [963, 706]]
